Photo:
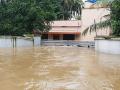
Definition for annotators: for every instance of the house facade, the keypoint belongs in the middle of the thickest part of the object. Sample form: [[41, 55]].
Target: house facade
[[72, 29], [64, 30]]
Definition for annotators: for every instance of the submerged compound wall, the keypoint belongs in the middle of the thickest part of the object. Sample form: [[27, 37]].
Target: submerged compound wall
[[108, 46], [19, 41]]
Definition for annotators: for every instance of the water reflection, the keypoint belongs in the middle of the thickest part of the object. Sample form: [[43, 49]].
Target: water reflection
[[58, 68]]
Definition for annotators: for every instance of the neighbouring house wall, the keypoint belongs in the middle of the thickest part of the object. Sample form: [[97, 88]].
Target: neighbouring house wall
[[88, 17]]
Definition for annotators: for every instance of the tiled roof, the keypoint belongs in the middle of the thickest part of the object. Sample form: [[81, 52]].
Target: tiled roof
[[70, 23]]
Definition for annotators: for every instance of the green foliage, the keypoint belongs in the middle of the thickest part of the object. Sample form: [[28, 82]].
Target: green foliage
[[115, 17], [18, 17], [66, 9], [104, 2]]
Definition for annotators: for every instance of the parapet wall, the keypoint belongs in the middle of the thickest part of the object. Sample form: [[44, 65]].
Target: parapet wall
[[111, 46]]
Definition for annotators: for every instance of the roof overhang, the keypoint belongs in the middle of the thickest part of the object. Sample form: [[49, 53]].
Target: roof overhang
[[76, 33]]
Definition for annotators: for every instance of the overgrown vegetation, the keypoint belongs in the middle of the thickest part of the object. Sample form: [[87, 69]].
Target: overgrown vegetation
[[18, 17], [115, 17]]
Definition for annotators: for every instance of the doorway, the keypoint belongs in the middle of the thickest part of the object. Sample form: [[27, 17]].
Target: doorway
[[68, 37]]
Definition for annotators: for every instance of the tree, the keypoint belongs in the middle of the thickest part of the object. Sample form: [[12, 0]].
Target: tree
[[112, 21], [115, 17], [104, 2], [70, 8], [67, 9], [18, 17]]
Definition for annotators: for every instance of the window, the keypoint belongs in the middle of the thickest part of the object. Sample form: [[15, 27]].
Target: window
[[68, 37]]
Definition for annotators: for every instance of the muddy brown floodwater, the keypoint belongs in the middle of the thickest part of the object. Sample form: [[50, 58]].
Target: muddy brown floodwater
[[58, 68]]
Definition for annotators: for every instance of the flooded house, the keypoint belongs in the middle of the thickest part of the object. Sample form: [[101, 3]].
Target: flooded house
[[64, 30], [73, 29]]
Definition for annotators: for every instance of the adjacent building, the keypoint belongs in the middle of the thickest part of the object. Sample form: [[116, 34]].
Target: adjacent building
[[72, 29], [64, 30]]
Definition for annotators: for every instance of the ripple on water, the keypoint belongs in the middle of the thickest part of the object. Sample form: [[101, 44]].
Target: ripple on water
[[58, 68]]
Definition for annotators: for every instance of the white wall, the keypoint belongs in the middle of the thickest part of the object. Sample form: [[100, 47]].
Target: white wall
[[108, 46], [20, 42]]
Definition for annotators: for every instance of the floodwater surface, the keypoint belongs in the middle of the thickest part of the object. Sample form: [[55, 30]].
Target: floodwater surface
[[58, 68]]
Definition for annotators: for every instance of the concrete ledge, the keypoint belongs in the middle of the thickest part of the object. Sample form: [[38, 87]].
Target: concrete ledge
[[67, 43], [13, 41], [111, 39], [111, 46]]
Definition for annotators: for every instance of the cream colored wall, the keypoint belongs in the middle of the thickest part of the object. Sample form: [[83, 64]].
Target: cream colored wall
[[88, 17], [66, 26]]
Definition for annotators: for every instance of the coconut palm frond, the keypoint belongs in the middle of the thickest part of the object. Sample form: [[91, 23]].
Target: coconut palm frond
[[106, 16], [85, 31], [97, 26], [103, 24]]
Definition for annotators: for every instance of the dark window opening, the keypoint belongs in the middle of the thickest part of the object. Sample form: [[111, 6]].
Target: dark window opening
[[56, 37], [45, 36], [68, 37]]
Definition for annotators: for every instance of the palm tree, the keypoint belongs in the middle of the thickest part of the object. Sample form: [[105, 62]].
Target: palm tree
[[97, 26], [71, 8]]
